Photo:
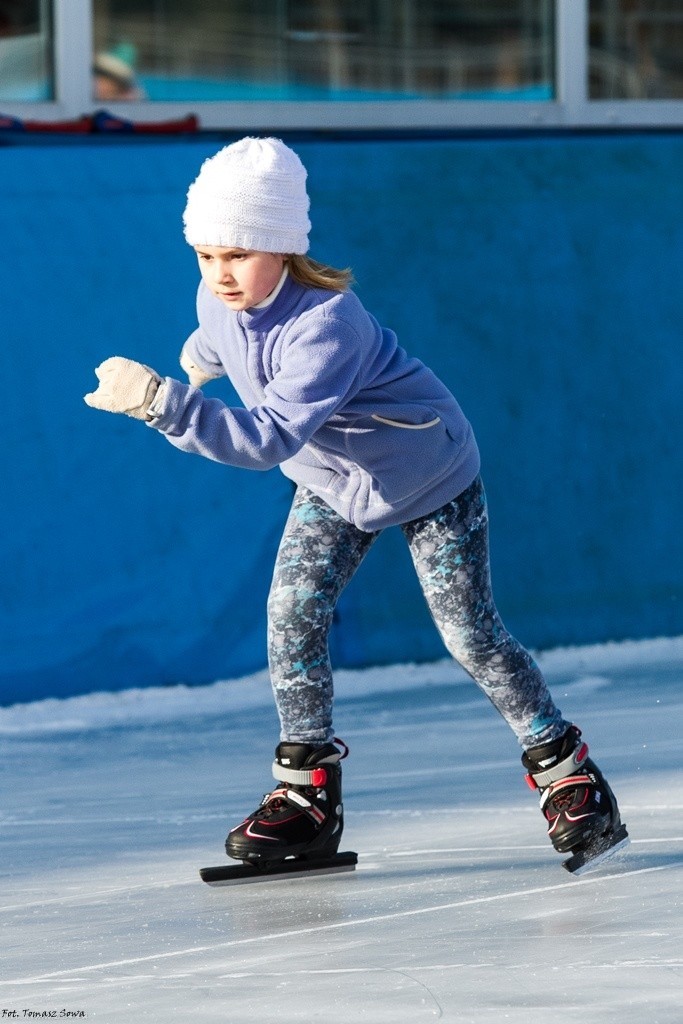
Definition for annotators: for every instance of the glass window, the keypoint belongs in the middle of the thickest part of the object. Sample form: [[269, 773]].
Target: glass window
[[636, 49], [323, 49], [26, 50]]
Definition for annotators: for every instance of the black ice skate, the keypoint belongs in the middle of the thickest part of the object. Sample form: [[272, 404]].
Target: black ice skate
[[578, 804], [297, 828]]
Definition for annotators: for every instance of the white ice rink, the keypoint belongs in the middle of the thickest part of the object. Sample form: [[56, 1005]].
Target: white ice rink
[[459, 910]]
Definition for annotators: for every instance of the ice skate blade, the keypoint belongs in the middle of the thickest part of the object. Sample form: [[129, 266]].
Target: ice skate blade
[[581, 863], [236, 874]]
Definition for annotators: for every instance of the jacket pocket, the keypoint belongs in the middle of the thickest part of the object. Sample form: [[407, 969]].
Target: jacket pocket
[[405, 426], [403, 458]]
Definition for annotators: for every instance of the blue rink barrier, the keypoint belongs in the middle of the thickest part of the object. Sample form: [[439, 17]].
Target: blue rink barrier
[[540, 278]]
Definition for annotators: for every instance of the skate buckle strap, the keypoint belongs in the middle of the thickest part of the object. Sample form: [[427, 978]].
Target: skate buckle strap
[[565, 768], [316, 777]]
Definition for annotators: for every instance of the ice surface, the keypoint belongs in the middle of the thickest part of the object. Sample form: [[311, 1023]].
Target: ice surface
[[459, 911]]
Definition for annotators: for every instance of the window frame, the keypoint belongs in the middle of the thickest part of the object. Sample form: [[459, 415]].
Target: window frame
[[572, 108]]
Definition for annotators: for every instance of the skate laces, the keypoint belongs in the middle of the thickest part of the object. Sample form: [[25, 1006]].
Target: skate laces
[[563, 801], [569, 794], [272, 802]]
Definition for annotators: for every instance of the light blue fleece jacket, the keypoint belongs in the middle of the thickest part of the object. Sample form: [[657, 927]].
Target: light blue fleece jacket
[[330, 398]]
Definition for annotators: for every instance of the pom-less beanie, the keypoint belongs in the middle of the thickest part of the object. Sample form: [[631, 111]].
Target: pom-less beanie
[[250, 195]]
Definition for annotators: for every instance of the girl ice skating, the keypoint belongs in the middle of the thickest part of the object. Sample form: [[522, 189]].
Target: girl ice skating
[[372, 439]]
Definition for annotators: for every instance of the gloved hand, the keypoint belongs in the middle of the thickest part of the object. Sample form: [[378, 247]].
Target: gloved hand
[[196, 375], [125, 386]]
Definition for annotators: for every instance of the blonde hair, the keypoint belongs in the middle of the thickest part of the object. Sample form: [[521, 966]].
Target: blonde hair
[[312, 274]]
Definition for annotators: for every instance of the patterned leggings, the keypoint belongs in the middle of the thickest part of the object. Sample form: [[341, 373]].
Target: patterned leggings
[[318, 555]]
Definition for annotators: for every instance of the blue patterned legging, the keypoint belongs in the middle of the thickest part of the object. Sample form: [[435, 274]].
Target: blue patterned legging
[[318, 555]]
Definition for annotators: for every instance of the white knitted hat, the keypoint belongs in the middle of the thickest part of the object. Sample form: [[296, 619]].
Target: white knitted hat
[[250, 195]]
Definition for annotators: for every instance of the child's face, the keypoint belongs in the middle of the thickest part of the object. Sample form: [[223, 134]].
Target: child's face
[[240, 278]]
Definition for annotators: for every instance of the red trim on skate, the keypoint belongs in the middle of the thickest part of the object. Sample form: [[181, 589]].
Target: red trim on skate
[[570, 780], [260, 823], [529, 779], [319, 778], [582, 753]]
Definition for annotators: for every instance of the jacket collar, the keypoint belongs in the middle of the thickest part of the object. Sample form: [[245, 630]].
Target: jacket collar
[[262, 318]]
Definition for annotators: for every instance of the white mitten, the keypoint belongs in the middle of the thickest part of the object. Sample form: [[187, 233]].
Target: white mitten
[[125, 386], [196, 375]]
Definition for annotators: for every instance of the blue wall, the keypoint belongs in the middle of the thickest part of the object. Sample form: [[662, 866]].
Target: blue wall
[[539, 276]]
